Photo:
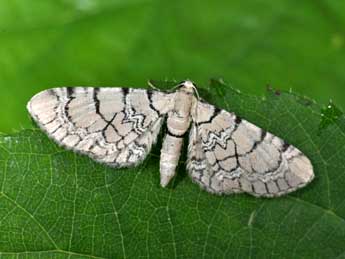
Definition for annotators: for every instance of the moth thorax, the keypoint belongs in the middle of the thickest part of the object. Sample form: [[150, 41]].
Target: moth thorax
[[183, 103], [179, 119]]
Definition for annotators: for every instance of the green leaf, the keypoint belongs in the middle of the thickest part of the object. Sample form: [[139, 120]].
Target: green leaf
[[56, 204]]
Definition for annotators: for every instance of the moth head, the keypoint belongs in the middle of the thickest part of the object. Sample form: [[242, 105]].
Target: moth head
[[189, 86]]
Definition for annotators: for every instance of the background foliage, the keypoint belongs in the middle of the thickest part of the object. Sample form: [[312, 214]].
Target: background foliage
[[250, 44], [56, 204]]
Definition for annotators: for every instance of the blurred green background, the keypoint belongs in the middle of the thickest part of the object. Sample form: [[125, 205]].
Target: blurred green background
[[287, 44]]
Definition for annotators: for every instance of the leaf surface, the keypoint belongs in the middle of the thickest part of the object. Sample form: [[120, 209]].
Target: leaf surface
[[56, 204]]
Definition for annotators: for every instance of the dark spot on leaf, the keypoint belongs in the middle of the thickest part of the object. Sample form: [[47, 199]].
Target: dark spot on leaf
[[308, 102], [305, 101], [270, 89]]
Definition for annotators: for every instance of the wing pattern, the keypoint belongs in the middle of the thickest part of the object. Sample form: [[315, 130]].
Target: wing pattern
[[230, 155], [116, 126]]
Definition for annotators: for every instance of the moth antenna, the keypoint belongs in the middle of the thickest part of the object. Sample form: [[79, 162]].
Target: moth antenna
[[151, 85]]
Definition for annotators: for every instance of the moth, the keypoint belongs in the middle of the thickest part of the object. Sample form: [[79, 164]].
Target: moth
[[118, 126]]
